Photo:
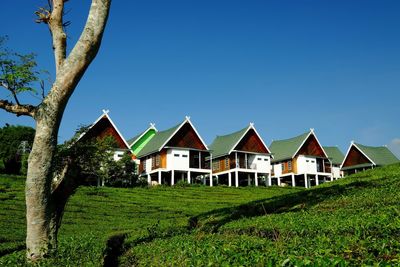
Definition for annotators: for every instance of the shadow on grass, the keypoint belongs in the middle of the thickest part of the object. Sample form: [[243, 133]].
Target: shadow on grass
[[114, 248], [211, 221]]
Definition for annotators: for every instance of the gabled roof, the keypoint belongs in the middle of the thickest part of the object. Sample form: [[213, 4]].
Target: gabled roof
[[133, 140], [288, 148], [334, 154], [378, 156], [161, 138], [225, 144], [105, 116]]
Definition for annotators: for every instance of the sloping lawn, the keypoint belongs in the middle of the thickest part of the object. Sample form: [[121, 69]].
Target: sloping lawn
[[353, 221]]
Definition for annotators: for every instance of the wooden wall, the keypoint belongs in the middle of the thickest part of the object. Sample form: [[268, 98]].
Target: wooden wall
[[311, 148], [355, 157], [186, 137], [252, 143]]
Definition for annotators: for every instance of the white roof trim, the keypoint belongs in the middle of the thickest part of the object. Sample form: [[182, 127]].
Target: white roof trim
[[305, 139], [251, 126], [105, 113], [347, 153], [151, 127], [187, 119]]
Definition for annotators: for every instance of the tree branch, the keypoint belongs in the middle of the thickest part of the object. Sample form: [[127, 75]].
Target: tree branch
[[83, 53], [57, 32], [19, 110]]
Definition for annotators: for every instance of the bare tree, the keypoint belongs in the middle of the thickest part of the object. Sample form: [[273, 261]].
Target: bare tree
[[46, 199]]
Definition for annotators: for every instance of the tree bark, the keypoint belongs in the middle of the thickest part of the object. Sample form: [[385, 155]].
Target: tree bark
[[39, 205], [44, 204]]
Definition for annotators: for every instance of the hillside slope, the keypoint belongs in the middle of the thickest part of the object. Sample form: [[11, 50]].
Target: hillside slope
[[355, 221]]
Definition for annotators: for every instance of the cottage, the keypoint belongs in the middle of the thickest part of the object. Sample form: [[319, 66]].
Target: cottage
[[336, 158], [300, 161], [360, 157], [241, 158], [173, 155]]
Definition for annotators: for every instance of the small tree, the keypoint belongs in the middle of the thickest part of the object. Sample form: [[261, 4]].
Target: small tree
[[45, 200]]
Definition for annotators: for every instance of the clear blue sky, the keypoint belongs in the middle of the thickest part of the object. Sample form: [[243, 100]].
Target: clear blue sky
[[285, 65]]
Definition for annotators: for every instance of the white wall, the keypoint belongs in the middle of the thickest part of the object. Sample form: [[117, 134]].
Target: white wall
[[262, 163], [148, 165], [118, 155], [306, 165], [336, 172], [277, 169], [177, 159]]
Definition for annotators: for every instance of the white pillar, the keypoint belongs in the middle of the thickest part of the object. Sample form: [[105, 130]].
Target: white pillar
[[293, 181], [159, 177], [256, 179], [211, 179], [316, 179], [269, 180], [279, 181], [172, 177], [306, 180], [189, 178], [331, 178], [229, 178], [149, 179], [237, 179], [248, 179]]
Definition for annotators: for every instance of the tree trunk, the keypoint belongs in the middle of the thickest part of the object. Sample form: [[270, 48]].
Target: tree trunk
[[40, 208]]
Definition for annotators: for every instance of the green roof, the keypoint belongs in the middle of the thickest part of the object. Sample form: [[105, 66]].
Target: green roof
[[134, 139], [222, 145], [155, 144], [285, 149], [334, 154], [379, 155]]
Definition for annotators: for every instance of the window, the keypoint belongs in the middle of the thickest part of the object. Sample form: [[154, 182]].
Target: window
[[265, 159], [176, 155], [289, 165], [313, 161], [226, 163], [307, 161], [259, 158], [283, 166], [184, 156], [158, 160], [144, 164], [215, 165]]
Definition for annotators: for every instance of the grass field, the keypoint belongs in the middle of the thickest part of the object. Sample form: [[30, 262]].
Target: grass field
[[354, 221]]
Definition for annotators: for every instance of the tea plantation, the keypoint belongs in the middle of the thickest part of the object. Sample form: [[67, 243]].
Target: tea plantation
[[353, 221]]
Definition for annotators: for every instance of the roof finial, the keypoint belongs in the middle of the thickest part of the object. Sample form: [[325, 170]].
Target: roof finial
[[312, 129], [106, 111], [187, 118], [352, 142], [152, 125], [251, 124]]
